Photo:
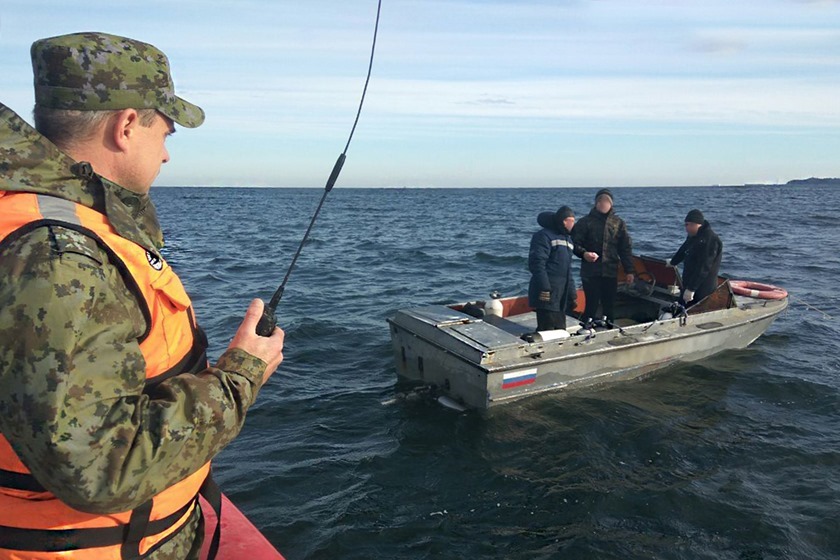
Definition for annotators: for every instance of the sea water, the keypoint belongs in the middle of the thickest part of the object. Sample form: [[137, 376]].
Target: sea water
[[733, 457]]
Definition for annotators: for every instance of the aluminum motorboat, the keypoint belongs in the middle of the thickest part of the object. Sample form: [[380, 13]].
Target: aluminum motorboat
[[485, 353]]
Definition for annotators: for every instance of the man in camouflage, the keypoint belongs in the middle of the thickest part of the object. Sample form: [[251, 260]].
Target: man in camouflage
[[72, 400], [602, 241]]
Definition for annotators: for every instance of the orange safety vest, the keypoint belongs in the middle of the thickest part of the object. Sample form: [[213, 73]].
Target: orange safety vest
[[34, 524]]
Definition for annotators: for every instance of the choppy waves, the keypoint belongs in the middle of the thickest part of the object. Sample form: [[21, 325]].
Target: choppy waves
[[734, 457]]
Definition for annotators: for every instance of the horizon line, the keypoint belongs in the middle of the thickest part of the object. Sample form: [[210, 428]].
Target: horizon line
[[739, 185]]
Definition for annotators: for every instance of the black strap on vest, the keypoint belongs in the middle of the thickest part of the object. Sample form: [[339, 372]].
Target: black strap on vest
[[49, 540], [211, 492], [20, 481], [128, 537], [138, 524]]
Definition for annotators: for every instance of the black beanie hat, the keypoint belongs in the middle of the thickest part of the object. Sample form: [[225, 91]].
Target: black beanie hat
[[607, 192], [695, 217], [564, 212]]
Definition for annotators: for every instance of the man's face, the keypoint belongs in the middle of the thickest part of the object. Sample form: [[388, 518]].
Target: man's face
[[149, 153], [691, 228], [603, 204], [569, 223]]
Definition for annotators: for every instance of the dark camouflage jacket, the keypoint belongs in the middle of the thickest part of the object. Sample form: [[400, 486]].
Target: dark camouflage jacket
[[605, 234], [71, 402]]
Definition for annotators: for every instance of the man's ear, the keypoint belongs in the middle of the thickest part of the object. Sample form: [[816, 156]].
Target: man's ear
[[123, 128]]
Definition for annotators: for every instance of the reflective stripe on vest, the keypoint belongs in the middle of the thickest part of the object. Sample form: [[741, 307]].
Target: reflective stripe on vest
[[32, 518], [562, 243]]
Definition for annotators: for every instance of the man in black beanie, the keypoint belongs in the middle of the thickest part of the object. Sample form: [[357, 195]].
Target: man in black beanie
[[601, 241], [701, 251], [552, 289]]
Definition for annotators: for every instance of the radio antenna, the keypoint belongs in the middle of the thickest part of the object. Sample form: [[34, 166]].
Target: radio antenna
[[269, 320]]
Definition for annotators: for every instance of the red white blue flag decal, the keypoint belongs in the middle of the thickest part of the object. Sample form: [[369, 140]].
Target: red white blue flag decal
[[518, 378]]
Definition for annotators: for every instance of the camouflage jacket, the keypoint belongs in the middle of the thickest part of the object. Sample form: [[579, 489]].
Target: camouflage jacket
[[605, 234], [67, 398]]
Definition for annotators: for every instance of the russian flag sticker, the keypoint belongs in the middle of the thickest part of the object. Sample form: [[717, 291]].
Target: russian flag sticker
[[518, 378]]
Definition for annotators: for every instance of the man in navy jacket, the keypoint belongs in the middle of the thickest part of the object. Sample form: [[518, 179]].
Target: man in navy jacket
[[552, 289]]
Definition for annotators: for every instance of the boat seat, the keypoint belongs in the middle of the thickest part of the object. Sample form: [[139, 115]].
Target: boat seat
[[527, 323], [516, 329], [661, 300]]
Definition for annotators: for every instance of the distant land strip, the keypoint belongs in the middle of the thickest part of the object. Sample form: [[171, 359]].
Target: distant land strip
[[814, 181]]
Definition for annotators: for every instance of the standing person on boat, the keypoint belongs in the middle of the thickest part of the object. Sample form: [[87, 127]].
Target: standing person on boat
[[701, 251], [552, 289], [109, 410], [601, 241]]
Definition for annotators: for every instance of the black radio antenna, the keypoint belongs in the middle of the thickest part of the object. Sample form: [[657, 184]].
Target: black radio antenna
[[269, 320]]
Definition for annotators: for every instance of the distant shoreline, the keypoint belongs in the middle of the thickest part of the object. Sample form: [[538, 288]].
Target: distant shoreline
[[814, 182]]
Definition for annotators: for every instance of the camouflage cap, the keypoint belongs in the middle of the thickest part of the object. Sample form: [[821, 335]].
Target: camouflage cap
[[100, 72]]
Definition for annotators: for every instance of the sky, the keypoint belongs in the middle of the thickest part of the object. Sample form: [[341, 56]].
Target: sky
[[478, 93]]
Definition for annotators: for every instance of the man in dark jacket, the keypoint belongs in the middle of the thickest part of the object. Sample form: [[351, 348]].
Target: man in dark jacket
[[601, 241], [701, 251], [552, 289]]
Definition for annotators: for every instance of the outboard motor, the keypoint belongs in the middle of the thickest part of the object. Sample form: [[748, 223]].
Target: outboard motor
[[493, 306]]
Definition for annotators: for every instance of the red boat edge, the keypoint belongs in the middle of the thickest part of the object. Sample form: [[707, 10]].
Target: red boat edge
[[240, 538]]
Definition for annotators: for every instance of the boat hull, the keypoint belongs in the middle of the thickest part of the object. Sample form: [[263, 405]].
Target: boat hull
[[239, 537]]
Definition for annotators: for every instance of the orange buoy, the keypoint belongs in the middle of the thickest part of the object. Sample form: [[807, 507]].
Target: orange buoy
[[757, 290]]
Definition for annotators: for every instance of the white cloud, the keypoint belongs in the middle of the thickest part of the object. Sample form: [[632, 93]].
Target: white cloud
[[756, 102], [451, 75]]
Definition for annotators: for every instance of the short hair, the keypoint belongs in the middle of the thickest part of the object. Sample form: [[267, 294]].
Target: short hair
[[63, 127]]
